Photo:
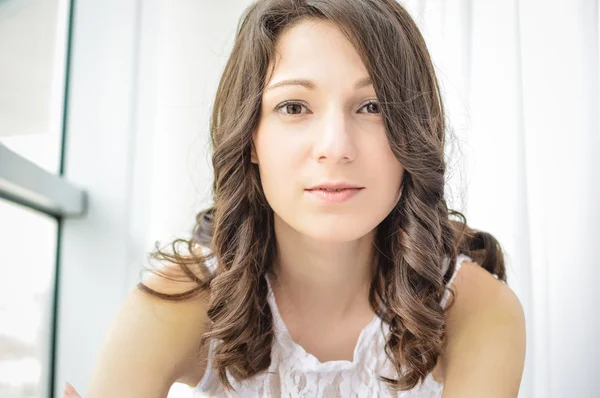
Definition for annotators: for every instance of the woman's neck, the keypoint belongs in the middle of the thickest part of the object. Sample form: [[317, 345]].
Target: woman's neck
[[322, 280]]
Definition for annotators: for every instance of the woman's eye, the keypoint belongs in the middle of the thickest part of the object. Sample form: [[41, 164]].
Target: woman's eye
[[372, 107], [291, 108]]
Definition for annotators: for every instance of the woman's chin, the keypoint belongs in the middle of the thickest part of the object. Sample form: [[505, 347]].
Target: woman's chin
[[335, 235]]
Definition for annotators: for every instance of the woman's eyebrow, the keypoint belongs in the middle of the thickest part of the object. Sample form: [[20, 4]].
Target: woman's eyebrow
[[364, 82], [293, 82]]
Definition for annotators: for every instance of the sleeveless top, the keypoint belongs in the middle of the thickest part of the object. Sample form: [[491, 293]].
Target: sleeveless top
[[295, 373]]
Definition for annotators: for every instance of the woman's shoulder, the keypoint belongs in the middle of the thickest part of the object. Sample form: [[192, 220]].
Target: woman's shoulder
[[152, 343], [478, 292], [182, 322], [477, 289], [485, 323]]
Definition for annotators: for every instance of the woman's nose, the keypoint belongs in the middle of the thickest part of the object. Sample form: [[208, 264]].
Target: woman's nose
[[334, 138]]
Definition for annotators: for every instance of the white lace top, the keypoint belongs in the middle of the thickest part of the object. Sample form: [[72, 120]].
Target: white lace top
[[296, 373]]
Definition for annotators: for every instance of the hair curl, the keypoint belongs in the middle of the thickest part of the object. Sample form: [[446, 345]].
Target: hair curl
[[413, 242]]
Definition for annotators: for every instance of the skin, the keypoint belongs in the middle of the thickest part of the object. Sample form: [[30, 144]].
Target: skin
[[325, 250]]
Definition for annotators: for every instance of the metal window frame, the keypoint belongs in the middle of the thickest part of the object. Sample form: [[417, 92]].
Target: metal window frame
[[25, 183]]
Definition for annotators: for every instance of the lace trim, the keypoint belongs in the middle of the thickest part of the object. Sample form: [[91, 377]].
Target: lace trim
[[309, 361]]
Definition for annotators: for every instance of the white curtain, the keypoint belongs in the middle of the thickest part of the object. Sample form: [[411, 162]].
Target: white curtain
[[521, 83]]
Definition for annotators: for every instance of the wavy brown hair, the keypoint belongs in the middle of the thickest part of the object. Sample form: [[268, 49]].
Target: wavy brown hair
[[414, 242]]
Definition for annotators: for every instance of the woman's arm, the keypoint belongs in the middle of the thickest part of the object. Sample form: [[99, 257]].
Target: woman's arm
[[152, 344], [485, 350]]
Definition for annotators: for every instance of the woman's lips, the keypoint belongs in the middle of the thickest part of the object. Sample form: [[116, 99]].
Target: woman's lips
[[333, 196]]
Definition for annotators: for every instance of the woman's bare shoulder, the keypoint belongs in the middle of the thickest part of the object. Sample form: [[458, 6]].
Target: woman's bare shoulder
[[477, 290], [153, 342], [185, 320], [485, 323]]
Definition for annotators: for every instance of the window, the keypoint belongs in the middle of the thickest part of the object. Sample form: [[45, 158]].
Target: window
[[27, 266], [33, 198]]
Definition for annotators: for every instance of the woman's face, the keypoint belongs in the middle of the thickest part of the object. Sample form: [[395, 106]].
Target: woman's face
[[320, 124]]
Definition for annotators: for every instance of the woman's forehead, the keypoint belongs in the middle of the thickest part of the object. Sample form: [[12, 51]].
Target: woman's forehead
[[318, 52]]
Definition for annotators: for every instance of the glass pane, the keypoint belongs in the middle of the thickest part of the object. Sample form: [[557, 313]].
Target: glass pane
[[33, 43], [27, 283]]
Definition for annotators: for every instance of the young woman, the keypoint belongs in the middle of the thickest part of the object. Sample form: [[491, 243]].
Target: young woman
[[324, 268]]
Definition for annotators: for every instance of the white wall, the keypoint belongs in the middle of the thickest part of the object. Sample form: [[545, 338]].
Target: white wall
[[96, 251], [193, 41]]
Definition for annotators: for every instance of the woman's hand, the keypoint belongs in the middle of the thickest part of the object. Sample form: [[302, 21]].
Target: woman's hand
[[70, 392]]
